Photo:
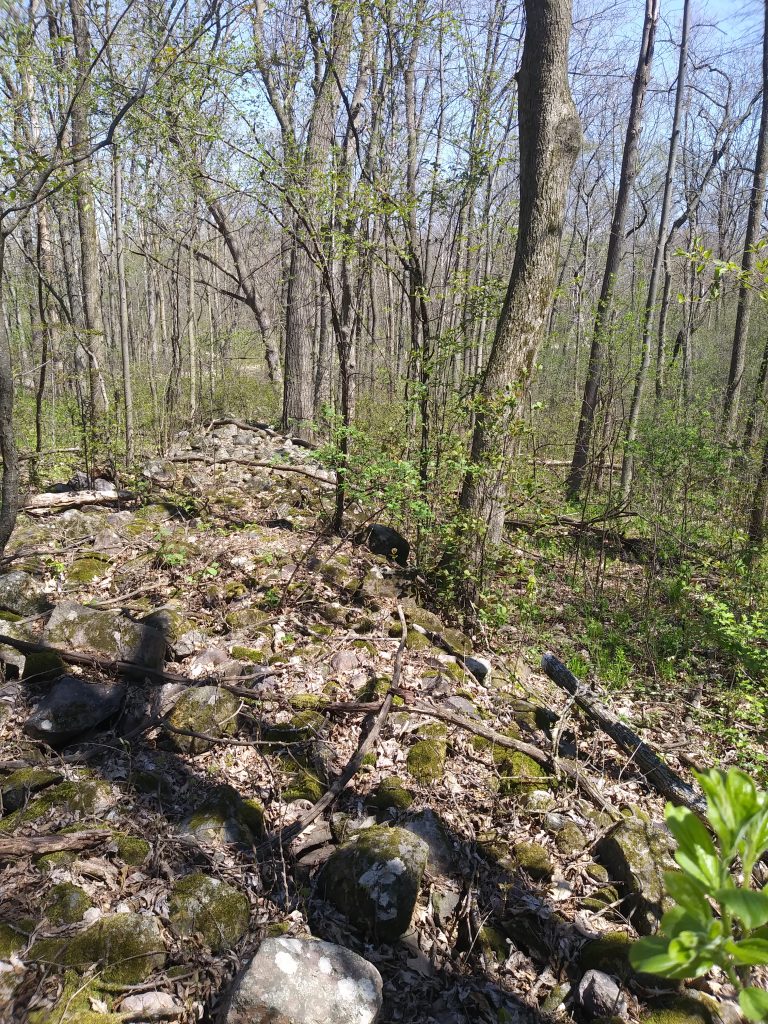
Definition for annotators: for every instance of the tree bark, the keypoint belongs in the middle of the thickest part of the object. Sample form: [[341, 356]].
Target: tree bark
[[125, 343], [549, 138], [9, 488], [615, 250]]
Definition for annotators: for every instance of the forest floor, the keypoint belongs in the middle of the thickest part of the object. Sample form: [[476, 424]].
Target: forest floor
[[292, 638]]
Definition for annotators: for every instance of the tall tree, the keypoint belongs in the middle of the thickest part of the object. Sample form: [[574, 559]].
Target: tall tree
[[549, 139], [615, 250]]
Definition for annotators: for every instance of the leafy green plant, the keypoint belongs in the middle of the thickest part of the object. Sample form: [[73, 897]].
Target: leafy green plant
[[719, 920]]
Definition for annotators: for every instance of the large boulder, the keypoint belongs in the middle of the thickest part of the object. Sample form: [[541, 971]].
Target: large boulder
[[203, 709], [636, 854], [304, 981], [108, 634], [374, 880], [71, 707], [210, 908]]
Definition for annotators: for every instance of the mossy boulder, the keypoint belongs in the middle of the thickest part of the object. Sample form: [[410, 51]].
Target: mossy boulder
[[87, 568], [13, 937], [42, 666], [21, 593], [254, 655], [636, 854], [205, 709], [533, 859], [426, 757], [417, 641], [374, 880], [73, 799], [225, 818], [416, 615], [126, 947], [16, 788], [605, 896], [75, 627], [683, 1009], [390, 792], [520, 774], [608, 953], [211, 908], [250, 618], [130, 849], [66, 903]]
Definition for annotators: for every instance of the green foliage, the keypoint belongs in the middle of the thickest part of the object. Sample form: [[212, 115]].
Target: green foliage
[[718, 920]]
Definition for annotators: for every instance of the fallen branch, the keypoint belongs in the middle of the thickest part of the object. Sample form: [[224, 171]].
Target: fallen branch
[[287, 835], [23, 846], [660, 775], [243, 425]]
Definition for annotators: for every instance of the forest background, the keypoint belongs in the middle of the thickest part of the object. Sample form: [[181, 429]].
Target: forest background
[[308, 213]]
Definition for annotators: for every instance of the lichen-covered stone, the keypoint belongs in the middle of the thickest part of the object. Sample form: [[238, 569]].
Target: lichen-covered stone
[[205, 709], [636, 854], [426, 757], [443, 855], [570, 840], [533, 859], [224, 819], [539, 801], [374, 880], [21, 593], [127, 947], [519, 773], [130, 849], [66, 903], [16, 788], [72, 706], [304, 981], [110, 634], [208, 907], [391, 792]]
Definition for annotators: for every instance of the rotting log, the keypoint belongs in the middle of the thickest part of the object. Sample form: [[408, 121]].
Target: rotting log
[[43, 503], [648, 762]]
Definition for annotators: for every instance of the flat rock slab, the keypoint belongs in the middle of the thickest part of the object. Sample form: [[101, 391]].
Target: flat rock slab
[[304, 981], [105, 633], [71, 707]]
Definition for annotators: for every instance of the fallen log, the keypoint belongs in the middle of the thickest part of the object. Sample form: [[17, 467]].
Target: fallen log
[[23, 846], [660, 775], [277, 467], [43, 503]]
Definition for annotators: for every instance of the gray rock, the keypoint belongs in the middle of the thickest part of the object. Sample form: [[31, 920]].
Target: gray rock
[[636, 854], [21, 594], [601, 996], [429, 827], [208, 907], [304, 981], [204, 709], [345, 661], [149, 1004], [225, 819], [71, 707], [479, 667], [161, 473], [374, 880], [102, 485], [112, 635], [463, 706]]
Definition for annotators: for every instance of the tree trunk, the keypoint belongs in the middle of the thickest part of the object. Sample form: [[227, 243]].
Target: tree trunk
[[658, 260], [125, 343], [9, 488], [746, 286], [615, 250], [550, 137]]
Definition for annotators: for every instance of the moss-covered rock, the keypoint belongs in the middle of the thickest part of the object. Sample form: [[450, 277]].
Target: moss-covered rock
[[205, 709], [605, 896], [115, 636], [539, 801], [224, 819], [127, 947], [374, 880], [682, 1009], [426, 757], [16, 788], [208, 907], [21, 593], [493, 942], [66, 903], [416, 641], [570, 840], [252, 654], [390, 792], [13, 937], [533, 859], [130, 849], [608, 953], [519, 773], [69, 800], [416, 615], [42, 666], [636, 854], [86, 568], [254, 619], [597, 872]]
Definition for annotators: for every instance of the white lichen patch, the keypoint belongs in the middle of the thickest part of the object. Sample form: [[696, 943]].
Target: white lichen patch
[[324, 965], [286, 963]]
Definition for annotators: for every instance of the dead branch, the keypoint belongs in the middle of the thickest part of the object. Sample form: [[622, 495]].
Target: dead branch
[[278, 467], [661, 777], [40, 504], [22, 846]]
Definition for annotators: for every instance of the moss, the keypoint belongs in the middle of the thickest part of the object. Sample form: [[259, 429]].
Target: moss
[[391, 792], [12, 938], [71, 798], [42, 666], [321, 630], [608, 953], [9, 616], [88, 568], [570, 840], [416, 641], [534, 860], [491, 847], [682, 1010], [16, 788], [307, 701], [493, 942], [234, 589], [636, 812], [370, 759], [208, 907], [205, 709], [601, 898], [373, 690], [364, 625], [426, 757], [303, 786], [130, 849], [252, 813], [253, 619], [252, 654], [597, 872], [305, 725], [66, 903], [128, 946], [276, 929], [520, 773], [458, 641], [74, 1005]]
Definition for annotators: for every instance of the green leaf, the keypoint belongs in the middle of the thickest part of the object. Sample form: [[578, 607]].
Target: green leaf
[[749, 951], [750, 907], [650, 956], [688, 892], [754, 1003], [696, 852], [720, 811]]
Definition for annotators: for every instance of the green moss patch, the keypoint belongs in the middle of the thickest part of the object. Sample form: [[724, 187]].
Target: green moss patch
[[426, 757], [533, 859], [210, 908], [66, 903]]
